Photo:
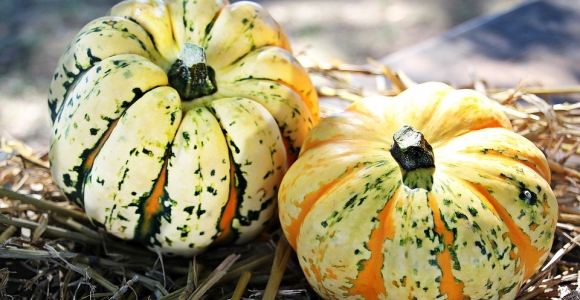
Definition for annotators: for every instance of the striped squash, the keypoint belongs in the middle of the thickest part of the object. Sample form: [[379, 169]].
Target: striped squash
[[426, 195], [174, 121]]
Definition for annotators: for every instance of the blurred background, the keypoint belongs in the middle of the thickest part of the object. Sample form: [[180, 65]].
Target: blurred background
[[34, 33]]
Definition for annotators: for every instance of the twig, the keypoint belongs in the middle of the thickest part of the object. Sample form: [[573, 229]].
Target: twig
[[4, 274], [23, 151], [569, 218], [72, 224], [8, 233], [387, 73], [214, 276], [346, 68], [549, 90], [191, 281], [45, 205], [248, 264], [52, 230], [33, 254], [41, 228], [548, 283], [283, 252], [67, 277], [241, 286], [153, 285], [125, 287], [20, 182], [557, 168], [91, 273]]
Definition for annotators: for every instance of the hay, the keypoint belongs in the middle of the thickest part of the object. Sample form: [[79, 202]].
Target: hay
[[50, 250]]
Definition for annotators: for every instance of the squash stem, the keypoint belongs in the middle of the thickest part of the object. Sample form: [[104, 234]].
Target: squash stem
[[415, 157], [190, 75]]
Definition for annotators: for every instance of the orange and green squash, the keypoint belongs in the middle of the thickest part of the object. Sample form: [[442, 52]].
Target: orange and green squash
[[174, 121], [425, 195]]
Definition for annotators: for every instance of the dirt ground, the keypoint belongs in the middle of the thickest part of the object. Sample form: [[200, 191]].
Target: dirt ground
[[34, 33]]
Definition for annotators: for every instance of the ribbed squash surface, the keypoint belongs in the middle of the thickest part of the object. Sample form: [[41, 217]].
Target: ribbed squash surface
[[178, 173], [475, 226]]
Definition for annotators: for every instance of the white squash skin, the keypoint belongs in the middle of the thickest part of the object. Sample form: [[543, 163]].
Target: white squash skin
[[90, 109], [130, 162], [198, 174], [193, 30], [278, 65], [226, 44], [100, 39], [280, 109], [258, 170]]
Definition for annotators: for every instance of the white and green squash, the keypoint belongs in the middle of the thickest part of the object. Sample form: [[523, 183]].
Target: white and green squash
[[173, 122]]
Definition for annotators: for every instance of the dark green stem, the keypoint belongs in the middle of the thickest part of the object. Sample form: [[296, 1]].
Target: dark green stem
[[415, 157], [190, 75]]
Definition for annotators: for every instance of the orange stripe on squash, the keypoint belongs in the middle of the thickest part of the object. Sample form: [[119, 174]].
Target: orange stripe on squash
[[495, 123], [306, 205], [229, 213], [448, 285], [152, 206], [310, 105], [88, 164], [369, 283]]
